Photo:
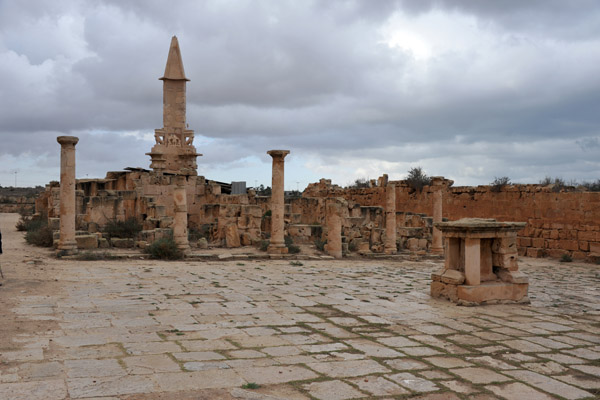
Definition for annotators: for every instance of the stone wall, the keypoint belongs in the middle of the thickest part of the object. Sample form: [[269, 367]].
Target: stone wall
[[558, 223]]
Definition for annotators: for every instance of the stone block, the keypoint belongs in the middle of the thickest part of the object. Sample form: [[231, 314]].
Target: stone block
[[506, 275], [87, 241], [422, 243], [141, 244], [165, 222], [437, 276], [202, 243], [443, 290], [524, 241], [103, 243], [536, 253], [556, 253], [122, 243], [492, 291], [453, 277], [54, 223], [584, 246], [245, 239], [538, 242], [505, 260], [232, 237], [595, 248]]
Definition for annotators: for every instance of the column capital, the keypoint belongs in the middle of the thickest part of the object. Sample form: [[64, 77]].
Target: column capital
[[65, 140], [278, 153]]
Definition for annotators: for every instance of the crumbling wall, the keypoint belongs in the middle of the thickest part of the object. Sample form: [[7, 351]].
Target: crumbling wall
[[558, 223]]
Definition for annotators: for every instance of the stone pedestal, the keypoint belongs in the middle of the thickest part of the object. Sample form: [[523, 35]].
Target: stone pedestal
[[333, 247], [180, 222], [67, 243], [277, 243], [481, 262], [390, 220]]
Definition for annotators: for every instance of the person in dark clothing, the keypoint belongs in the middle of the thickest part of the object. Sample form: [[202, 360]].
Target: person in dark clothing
[[1, 274]]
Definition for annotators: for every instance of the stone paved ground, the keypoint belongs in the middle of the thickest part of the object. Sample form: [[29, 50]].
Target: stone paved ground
[[359, 329]]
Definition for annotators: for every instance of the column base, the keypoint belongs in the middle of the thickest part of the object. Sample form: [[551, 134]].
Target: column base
[[66, 248], [437, 250], [277, 249], [390, 250]]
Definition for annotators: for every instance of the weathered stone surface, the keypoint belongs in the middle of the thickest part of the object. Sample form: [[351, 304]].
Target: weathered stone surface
[[232, 236], [332, 390], [87, 242], [453, 277]]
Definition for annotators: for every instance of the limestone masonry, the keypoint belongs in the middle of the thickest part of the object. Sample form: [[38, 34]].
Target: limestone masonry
[[388, 217]]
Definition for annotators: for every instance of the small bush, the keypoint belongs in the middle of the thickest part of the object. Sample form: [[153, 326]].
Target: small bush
[[499, 183], [289, 243], [320, 244], [164, 249], [417, 179], [359, 183], [296, 263], [250, 385], [127, 229], [352, 246], [264, 245], [566, 258], [40, 236], [31, 223], [592, 186]]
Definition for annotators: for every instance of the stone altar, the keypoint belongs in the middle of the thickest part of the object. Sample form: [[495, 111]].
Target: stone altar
[[480, 262]]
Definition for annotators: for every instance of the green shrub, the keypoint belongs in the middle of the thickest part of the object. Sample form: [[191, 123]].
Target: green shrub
[[417, 179], [250, 385], [164, 249], [264, 245], [127, 229], [499, 183], [566, 258], [31, 223], [352, 246], [360, 183], [320, 244], [289, 243], [40, 236]]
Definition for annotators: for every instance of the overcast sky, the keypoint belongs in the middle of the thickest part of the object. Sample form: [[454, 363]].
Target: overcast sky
[[467, 89]]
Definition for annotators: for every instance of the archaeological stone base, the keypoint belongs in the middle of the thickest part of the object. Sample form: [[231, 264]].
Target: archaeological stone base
[[480, 263]]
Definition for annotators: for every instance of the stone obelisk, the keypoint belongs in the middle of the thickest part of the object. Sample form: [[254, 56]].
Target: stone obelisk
[[174, 151]]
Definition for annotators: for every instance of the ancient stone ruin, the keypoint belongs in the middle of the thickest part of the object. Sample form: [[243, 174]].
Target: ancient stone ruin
[[387, 218], [481, 262]]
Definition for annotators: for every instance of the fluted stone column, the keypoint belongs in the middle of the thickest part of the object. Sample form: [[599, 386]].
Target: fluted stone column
[[389, 246], [180, 224], [277, 244], [68, 212], [437, 185], [334, 229]]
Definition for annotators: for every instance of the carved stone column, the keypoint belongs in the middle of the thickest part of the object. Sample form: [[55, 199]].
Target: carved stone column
[[390, 220], [334, 229], [68, 211], [180, 224], [437, 186], [277, 244]]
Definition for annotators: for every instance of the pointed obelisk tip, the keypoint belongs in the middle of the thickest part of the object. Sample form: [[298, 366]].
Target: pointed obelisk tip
[[174, 68]]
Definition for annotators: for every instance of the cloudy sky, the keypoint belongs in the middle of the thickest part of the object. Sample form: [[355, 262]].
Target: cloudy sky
[[467, 89]]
